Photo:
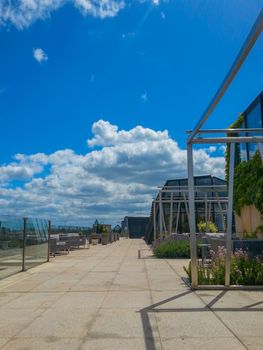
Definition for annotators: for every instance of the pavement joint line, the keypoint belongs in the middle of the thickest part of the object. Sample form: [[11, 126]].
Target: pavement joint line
[[16, 335], [214, 313], [151, 296], [211, 309], [94, 318]]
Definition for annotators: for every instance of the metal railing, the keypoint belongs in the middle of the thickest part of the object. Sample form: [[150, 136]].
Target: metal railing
[[24, 243]]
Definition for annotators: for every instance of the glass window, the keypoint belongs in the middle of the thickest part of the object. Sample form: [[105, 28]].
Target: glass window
[[254, 120]]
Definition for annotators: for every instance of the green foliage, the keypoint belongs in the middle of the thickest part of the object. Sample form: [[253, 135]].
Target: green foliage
[[247, 235], [248, 184], [243, 270], [173, 249], [236, 125], [211, 227], [260, 228]]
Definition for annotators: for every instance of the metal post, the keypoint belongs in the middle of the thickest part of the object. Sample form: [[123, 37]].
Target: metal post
[[206, 216], [230, 212], [209, 210], [154, 221], [171, 215], [260, 147], [160, 215], [221, 212], [186, 208], [24, 244], [164, 225], [177, 218], [48, 243], [192, 224]]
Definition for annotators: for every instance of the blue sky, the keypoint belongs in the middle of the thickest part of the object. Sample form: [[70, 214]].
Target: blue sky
[[155, 64]]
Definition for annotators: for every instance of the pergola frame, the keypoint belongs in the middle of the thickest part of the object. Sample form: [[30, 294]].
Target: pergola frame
[[197, 136], [173, 198]]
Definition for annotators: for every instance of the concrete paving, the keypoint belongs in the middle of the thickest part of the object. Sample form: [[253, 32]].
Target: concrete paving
[[106, 298]]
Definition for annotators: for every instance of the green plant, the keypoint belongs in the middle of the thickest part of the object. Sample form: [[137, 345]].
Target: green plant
[[236, 125], [247, 235], [173, 249], [243, 269], [248, 184], [259, 229], [211, 226]]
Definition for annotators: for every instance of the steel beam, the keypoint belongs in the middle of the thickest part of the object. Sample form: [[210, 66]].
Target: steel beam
[[230, 213], [171, 215], [241, 139], [192, 223], [226, 131], [242, 55], [154, 221]]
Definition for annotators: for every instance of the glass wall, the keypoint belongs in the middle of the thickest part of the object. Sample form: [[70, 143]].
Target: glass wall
[[36, 242], [11, 243], [23, 244], [209, 187], [254, 120]]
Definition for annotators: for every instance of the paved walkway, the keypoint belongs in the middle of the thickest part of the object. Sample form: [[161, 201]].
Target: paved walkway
[[106, 298]]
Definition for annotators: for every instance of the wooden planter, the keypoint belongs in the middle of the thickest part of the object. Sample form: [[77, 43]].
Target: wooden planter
[[94, 241], [104, 239], [248, 221]]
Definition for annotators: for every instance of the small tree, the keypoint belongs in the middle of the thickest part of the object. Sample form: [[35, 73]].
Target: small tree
[[211, 226]]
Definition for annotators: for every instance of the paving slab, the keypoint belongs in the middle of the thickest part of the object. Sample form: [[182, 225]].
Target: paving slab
[[106, 298], [47, 343]]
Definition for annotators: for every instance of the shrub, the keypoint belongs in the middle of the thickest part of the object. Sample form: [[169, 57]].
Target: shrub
[[211, 227], [173, 249], [243, 270]]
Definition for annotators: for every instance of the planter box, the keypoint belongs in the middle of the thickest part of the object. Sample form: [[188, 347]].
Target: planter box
[[104, 240], [94, 241], [248, 221]]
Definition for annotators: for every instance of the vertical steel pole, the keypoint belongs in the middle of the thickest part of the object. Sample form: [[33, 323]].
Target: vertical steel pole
[[177, 217], [230, 212], [260, 147], [221, 212], [48, 243], [154, 221], [160, 215], [192, 224], [186, 207], [171, 215], [24, 244], [206, 216]]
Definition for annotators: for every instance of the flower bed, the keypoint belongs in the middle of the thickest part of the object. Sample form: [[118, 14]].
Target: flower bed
[[243, 271]]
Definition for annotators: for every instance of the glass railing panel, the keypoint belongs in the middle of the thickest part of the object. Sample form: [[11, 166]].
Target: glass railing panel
[[11, 243], [36, 242]]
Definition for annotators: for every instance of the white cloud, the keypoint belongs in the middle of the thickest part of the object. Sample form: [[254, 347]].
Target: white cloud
[[144, 96], [22, 13], [118, 178], [128, 35], [39, 54]]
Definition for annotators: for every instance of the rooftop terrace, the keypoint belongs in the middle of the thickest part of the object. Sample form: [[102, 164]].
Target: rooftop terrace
[[106, 298]]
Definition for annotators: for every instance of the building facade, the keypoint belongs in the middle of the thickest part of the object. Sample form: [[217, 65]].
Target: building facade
[[134, 226]]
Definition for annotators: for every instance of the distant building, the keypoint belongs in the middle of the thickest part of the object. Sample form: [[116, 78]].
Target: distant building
[[134, 226], [99, 228], [210, 191]]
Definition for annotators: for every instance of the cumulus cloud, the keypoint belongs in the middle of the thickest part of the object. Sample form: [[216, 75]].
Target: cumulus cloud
[[144, 96], [22, 13], [117, 178], [40, 55]]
